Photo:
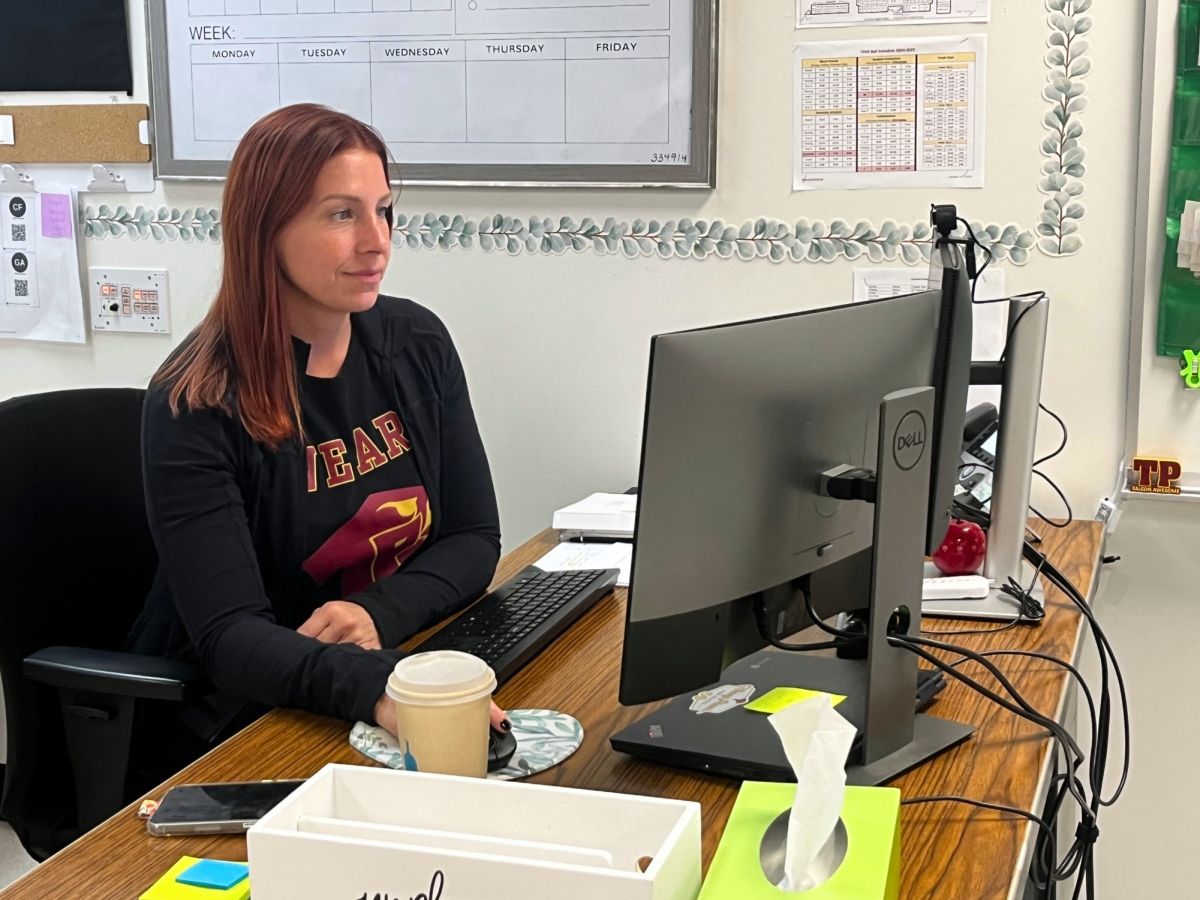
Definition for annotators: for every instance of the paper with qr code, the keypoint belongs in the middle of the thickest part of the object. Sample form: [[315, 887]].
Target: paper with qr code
[[20, 278], [41, 298], [18, 213]]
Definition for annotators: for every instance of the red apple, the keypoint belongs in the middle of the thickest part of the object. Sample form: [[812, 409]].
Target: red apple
[[963, 549]]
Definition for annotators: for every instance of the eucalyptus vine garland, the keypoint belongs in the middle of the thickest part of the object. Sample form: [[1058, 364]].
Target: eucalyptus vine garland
[[1057, 229], [803, 241], [1064, 168], [762, 238], [201, 224]]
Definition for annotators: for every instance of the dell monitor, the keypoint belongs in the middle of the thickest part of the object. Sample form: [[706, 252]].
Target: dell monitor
[[741, 422]]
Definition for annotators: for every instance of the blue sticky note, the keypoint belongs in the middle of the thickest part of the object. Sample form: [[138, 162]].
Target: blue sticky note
[[214, 873]]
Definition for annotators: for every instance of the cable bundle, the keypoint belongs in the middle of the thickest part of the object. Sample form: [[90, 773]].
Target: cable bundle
[[1047, 868]]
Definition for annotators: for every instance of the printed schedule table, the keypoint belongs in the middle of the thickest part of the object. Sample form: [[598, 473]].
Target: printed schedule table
[[887, 127], [876, 117], [829, 116], [945, 109]]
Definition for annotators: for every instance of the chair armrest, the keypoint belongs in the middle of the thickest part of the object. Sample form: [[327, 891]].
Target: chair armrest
[[113, 672]]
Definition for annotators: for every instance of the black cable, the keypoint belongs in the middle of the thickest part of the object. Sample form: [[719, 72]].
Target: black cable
[[997, 807], [1013, 624], [1087, 832], [916, 644], [1062, 425], [1079, 858], [849, 636], [1036, 295], [1018, 705], [1022, 706], [1032, 508], [1105, 651], [768, 633], [970, 514], [1080, 852], [1028, 610], [1061, 496], [987, 262], [1046, 657]]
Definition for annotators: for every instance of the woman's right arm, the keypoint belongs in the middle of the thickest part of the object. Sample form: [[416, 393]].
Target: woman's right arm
[[198, 520]]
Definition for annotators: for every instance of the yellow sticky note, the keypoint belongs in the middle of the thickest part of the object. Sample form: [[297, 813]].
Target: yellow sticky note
[[167, 888], [782, 697]]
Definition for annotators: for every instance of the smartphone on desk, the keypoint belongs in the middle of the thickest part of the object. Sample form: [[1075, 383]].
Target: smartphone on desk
[[217, 808]]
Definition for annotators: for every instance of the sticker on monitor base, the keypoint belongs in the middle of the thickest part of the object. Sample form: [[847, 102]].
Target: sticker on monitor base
[[721, 699]]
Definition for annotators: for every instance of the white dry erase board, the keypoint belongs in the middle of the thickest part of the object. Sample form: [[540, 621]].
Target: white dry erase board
[[465, 92]]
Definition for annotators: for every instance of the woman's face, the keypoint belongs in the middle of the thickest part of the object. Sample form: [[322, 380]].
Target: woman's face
[[335, 250]]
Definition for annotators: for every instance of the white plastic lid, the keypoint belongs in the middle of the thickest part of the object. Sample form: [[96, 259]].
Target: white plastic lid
[[440, 676]]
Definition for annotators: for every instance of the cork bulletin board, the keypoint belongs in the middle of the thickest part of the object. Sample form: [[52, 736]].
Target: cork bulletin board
[[76, 134]]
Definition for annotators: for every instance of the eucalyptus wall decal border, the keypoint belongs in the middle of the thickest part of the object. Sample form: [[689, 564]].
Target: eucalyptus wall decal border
[[1057, 231], [1064, 167], [802, 241], [162, 224]]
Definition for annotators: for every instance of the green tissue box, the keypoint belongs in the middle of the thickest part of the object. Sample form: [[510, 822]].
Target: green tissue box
[[869, 871]]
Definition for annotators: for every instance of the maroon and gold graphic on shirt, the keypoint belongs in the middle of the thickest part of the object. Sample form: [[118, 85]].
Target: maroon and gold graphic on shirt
[[387, 529], [338, 467]]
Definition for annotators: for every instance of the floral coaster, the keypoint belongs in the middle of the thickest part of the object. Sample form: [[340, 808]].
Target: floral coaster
[[544, 739]]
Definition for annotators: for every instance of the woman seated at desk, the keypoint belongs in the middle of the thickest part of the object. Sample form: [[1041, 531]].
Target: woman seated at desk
[[316, 484]]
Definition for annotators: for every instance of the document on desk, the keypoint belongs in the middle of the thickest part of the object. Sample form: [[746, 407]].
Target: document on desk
[[840, 13], [889, 113], [567, 555]]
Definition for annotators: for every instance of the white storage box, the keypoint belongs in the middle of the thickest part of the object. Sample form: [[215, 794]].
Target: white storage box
[[353, 831]]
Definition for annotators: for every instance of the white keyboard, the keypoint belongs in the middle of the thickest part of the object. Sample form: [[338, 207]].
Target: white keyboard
[[955, 587]]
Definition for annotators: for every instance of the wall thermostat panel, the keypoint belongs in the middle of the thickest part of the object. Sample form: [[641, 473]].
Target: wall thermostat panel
[[130, 300]]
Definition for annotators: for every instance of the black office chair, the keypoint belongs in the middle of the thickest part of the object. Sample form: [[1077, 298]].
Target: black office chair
[[76, 562]]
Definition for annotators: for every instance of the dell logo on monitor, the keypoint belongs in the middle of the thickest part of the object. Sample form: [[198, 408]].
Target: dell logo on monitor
[[908, 443]]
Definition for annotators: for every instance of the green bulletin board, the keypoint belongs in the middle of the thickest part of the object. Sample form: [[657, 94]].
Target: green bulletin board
[[1179, 299]]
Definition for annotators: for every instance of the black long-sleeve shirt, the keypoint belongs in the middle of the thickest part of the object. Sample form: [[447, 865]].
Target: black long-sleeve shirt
[[387, 502]]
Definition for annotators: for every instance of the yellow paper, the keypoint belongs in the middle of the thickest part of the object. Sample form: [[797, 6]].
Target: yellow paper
[[167, 888], [782, 697]]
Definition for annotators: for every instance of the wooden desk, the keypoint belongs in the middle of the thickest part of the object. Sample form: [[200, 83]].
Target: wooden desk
[[949, 850]]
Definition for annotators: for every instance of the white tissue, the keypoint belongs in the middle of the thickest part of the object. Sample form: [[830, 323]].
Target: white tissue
[[817, 740]]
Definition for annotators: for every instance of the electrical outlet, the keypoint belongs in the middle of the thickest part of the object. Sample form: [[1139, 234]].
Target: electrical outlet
[[129, 300]]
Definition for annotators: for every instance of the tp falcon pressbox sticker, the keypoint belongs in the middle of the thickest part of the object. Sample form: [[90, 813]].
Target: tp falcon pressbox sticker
[[723, 698]]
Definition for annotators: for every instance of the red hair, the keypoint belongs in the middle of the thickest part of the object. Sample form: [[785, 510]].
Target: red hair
[[244, 344]]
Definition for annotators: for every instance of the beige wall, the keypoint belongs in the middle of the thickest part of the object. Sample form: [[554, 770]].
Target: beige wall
[[556, 347]]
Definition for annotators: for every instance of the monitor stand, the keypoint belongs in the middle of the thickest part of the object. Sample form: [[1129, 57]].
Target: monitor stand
[[849, 678], [880, 691], [894, 738], [893, 741]]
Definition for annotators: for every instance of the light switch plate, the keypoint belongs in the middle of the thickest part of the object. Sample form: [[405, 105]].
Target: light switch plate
[[129, 300]]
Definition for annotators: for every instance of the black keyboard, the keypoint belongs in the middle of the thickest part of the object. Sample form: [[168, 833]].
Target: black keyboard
[[511, 625]]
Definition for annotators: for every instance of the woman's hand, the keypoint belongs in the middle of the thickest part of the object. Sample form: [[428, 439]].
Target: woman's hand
[[499, 719], [385, 715], [339, 622]]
